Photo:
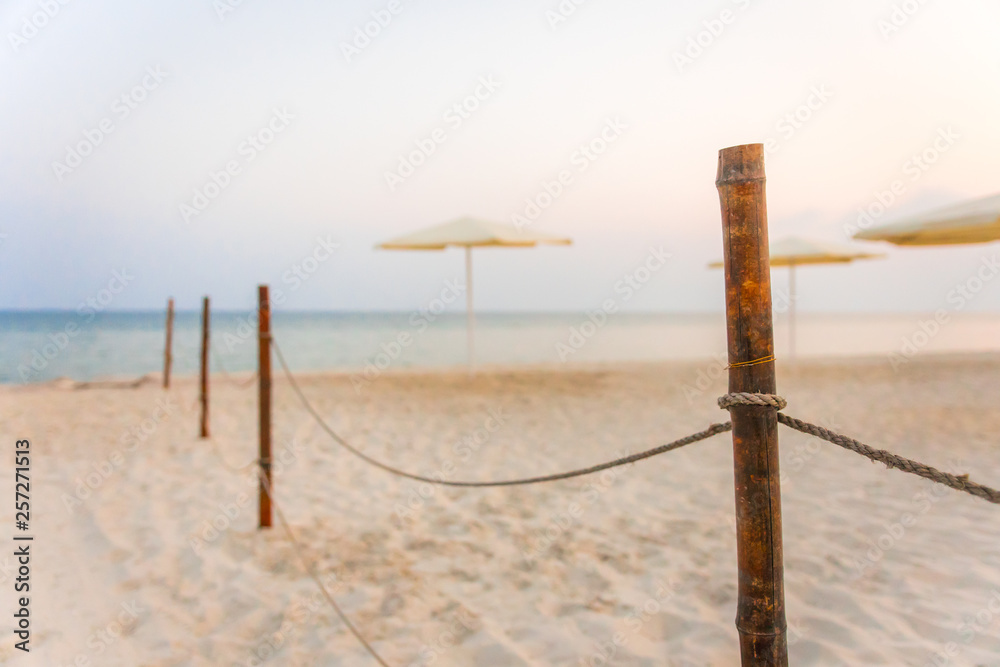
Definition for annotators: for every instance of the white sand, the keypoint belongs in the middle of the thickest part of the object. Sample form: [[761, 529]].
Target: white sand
[[468, 577]]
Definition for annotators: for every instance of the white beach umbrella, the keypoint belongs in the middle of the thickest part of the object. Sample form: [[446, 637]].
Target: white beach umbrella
[[793, 251], [976, 221], [470, 233]]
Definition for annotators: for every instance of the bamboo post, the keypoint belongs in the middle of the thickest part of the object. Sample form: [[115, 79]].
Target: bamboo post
[[264, 384], [167, 352], [204, 366], [760, 616]]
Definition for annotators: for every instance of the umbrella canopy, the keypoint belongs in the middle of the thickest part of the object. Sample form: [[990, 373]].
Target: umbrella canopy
[[470, 233], [976, 221], [793, 251]]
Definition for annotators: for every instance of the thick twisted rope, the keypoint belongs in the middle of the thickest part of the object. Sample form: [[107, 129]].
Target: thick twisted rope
[[312, 573], [888, 459], [747, 398], [714, 429]]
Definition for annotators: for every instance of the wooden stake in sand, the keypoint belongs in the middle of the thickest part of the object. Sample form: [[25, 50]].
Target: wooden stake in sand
[[760, 616], [204, 367], [167, 354], [264, 375]]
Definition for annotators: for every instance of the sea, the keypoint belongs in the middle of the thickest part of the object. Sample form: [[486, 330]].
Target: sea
[[38, 346]]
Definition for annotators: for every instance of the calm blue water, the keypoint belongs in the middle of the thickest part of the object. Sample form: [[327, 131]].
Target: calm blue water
[[35, 346]]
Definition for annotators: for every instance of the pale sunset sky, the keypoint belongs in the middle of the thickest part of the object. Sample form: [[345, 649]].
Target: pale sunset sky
[[205, 146]]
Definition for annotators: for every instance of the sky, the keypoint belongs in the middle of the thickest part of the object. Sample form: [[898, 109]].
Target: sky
[[205, 146]]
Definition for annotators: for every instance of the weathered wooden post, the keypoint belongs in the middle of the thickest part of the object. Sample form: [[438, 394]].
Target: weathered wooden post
[[264, 375], [204, 367], [760, 617], [168, 357]]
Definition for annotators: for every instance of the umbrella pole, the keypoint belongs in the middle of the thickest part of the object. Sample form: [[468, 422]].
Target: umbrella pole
[[470, 323], [791, 311]]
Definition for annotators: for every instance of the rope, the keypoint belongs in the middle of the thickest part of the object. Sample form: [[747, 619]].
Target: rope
[[226, 464], [229, 378], [218, 453], [312, 573], [890, 460], [676, 444], [747, 398], [263, 463]]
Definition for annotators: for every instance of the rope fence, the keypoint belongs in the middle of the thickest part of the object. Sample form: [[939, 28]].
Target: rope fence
[[228, 376], [890, 460], [760, 609], [714, 429], [297, 548], [226, 464], [726, 402]]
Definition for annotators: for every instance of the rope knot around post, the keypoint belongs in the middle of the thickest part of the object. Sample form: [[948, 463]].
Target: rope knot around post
[[752, 399]]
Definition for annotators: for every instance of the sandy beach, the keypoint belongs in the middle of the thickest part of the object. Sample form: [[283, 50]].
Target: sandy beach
[[146, 550]]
